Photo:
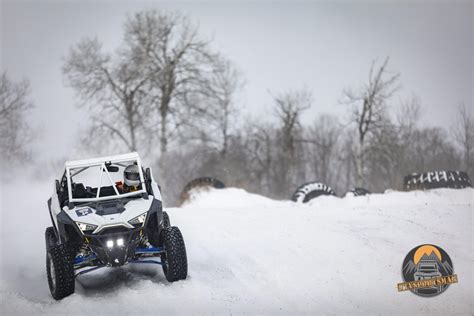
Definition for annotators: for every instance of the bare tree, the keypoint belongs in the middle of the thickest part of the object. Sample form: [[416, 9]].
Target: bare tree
[[409, 115], [149, 81], [179, 62], [463, 133], [225, 83], [14, 131], [406, 130], [432, 150], [260, 152], [323, 137], [383, 157], [289, 107], [112, 88], [369, 112], [347, 159]]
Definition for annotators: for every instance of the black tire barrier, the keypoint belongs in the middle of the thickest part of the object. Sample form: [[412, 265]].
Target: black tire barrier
[[311, 190], [198, 183], [359, 192], [437, 179]]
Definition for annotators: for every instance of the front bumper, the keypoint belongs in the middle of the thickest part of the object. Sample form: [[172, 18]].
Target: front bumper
[[114, 246]]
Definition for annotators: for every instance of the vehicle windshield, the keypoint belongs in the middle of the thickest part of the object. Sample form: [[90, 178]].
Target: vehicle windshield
[[102, 181]]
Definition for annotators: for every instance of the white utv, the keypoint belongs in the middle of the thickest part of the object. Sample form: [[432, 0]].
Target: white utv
[[97, 221]]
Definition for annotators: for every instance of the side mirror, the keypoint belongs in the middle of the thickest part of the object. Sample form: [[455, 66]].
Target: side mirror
[[57, 186], [148, 181]]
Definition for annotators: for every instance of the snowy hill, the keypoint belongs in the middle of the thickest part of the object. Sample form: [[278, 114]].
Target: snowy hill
[[250, 254]]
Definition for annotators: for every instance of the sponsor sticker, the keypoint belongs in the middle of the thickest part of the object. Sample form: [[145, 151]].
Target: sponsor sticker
[[83, 211], [427, 271]]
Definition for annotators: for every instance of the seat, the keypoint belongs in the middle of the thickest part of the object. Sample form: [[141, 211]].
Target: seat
[[79, 191]]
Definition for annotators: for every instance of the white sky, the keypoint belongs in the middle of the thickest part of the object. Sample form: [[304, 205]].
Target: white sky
[[322, 46]]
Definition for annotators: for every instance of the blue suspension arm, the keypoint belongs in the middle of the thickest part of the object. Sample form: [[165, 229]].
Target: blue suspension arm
[[149, 250]]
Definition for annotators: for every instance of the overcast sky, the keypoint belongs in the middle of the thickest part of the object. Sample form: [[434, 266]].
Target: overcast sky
[[322, 46]]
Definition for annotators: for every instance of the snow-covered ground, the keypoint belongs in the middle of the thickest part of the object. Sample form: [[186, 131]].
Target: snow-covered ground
[[252, 255]]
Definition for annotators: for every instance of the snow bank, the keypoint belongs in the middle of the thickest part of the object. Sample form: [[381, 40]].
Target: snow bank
[[251, 254]]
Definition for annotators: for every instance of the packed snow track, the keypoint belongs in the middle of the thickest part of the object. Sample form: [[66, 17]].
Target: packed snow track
[[249, 254]]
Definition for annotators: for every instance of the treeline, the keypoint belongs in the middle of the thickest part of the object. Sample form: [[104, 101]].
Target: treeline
[[274, 159], [166, 93]]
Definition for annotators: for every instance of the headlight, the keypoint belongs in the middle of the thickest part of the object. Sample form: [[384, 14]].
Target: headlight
[[139, 220], [86, 227]]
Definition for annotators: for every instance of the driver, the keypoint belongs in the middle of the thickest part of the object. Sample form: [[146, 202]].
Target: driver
[[131, 178]]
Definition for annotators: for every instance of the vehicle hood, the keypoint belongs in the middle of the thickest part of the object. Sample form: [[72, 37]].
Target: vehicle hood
[[112, 213]]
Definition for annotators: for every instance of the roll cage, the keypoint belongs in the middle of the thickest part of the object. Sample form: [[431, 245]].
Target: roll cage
[[71, 193]]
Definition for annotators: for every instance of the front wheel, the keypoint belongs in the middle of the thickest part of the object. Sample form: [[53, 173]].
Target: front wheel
[[59, 267], [174, 259]]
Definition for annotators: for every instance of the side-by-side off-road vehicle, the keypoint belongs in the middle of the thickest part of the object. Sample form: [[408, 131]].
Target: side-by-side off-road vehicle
[[100, 220]]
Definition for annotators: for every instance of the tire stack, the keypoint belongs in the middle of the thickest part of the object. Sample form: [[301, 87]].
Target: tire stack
[[437, 179], [311, 190], [358, 192], [200, 183]]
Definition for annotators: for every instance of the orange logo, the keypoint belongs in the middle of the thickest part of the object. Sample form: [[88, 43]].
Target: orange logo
[[427, 271]]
